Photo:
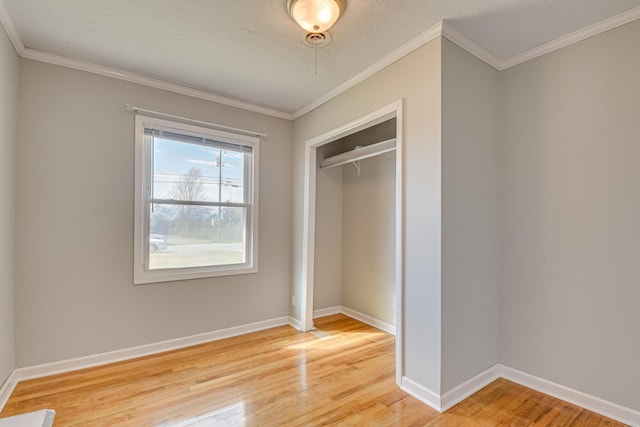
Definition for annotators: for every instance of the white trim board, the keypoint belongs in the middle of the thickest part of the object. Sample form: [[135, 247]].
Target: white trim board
[[309, 197], [456, 395], [446, 401], [384, 62], [354, 314], [46, 369], [423, 394], [595, 404], [470, 46], [75, 64], [380, 115], [439, 402], [10, 28], [43, 370], [295, 323], [7, 388], [329, 311], [571, 38], [369, 320], [443, 28], [50, 58]]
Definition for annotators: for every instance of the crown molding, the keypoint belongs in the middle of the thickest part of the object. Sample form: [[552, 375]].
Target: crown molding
[[582, 34], [51, 58], [10, 28], [389, 59], [443, 28], [470, 46]]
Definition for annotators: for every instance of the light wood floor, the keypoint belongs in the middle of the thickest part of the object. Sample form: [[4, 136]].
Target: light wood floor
[[277, 377]]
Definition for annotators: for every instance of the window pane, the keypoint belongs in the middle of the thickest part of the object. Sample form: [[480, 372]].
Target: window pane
[[195, 172], [195, 199], [196, 236]]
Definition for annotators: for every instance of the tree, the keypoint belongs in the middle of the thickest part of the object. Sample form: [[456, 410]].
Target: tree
[[190, 187]]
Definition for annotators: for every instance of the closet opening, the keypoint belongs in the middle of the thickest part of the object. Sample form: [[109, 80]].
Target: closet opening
[[353, 232]]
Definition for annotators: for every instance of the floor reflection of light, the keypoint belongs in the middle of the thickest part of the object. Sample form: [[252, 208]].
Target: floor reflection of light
[[228, 416], [331, 342], [302, 373]]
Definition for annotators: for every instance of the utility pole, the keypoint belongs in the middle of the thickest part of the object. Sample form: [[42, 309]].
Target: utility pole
[[219, 164]]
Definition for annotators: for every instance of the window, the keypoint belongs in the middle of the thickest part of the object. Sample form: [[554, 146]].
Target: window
[[196, 202]]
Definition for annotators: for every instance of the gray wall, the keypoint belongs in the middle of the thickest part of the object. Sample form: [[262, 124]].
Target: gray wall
[[368, 242], [415, 78], [557, 226], [570, 215], [470, 216], [355, 223], [327, 276], [74, 222], [9, 77]]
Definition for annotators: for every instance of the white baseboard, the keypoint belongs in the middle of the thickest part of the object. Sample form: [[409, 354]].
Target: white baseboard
[[329, 311], [449, 399], [7, 388], [46, 369], [364, 318], [421, 393], [608, 409], [295, 323], [340, 309], [443, 402], [467, 388], [439, 402]]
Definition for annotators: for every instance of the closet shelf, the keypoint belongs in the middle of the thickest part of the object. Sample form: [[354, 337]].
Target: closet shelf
[[359, 153]]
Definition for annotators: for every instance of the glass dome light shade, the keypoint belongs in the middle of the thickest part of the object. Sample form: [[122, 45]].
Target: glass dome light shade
[[315, 16]]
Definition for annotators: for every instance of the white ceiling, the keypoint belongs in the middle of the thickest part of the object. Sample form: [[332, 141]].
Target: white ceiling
[[251, 50]]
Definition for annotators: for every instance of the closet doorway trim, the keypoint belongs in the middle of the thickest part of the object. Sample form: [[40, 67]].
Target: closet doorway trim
[[309, 217]]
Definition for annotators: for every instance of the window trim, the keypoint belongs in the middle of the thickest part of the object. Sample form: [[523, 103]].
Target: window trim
[[142, 194]]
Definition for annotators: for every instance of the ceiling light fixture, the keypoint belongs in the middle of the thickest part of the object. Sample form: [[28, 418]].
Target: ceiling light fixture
[[315, 16]]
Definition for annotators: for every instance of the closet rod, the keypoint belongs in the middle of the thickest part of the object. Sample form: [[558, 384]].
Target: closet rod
[[199, 122], [359, 153]]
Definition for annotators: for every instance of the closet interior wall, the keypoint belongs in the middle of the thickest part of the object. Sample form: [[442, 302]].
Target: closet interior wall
[[355, 228]]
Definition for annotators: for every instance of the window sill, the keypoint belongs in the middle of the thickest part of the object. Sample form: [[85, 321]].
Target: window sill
[[172, 275]]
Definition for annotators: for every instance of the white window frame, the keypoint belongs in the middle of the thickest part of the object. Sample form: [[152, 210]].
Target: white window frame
[[143, 198]]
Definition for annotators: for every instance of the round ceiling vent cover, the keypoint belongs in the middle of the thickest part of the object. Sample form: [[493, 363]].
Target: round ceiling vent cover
[[317, 39]]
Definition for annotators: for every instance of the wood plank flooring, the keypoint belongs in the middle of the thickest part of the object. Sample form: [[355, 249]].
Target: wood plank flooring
[[277, 377]]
